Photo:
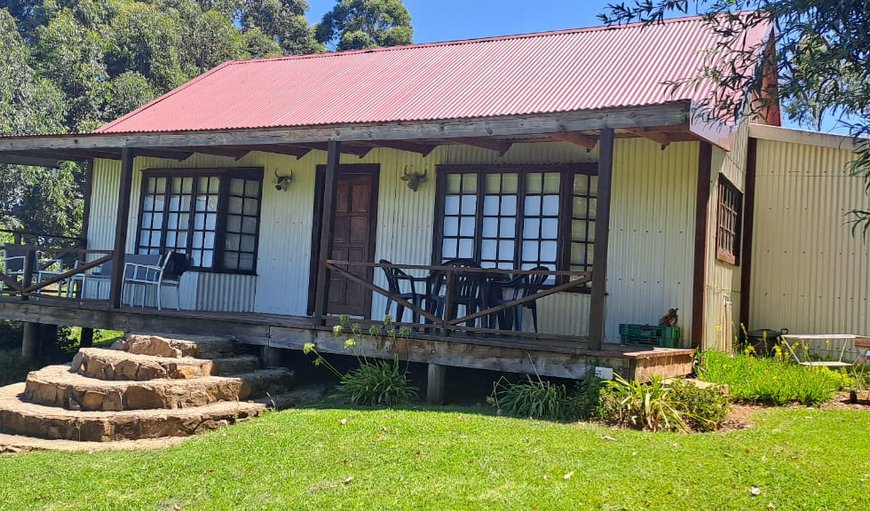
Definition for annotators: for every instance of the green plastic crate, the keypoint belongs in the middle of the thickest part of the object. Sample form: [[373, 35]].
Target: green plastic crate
[[650, 335]]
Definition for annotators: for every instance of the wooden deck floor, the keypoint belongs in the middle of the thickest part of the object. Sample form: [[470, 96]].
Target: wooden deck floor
[[561, 357]]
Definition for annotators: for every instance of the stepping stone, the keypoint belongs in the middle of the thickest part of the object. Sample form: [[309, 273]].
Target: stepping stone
[[58, 386], [18, 417], [191, 346], [119, 365]]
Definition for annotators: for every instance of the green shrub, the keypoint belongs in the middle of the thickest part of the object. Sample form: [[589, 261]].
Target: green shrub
[[638, 405], [584, 399], [538, 399], [374, 382], [11, 333], [12, 368], [769, 380], [378, 383], [703, 409]]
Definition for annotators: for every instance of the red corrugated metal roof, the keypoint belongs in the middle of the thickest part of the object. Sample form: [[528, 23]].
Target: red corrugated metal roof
[[570, 70]]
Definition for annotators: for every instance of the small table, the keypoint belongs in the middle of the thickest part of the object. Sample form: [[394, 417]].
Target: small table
[[838, 364]]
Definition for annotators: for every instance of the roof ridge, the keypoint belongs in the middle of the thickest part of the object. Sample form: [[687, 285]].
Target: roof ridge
[[475, 40]]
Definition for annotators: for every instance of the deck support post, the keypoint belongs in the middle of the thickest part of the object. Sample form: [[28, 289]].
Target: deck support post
[[327, 223], [699, 275], [597, 310], [436, 384], [122, 222], [270, 357], [87, 338], [29, 342]]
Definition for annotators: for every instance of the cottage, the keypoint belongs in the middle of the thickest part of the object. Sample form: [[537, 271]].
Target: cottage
[[511, 201]]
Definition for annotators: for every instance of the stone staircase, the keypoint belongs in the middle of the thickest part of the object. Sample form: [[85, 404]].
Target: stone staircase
[[144, 387]]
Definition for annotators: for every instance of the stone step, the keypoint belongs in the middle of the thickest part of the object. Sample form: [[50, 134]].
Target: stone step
[[119, 365], [191, 346], [58, 386], [18, 417]]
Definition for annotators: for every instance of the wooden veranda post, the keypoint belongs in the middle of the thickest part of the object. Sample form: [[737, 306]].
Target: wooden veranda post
[[327, 223], [122, 222], [699, 275], [602, 232]]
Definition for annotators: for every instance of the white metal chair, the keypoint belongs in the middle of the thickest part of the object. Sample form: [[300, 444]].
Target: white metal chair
[[138, 274]]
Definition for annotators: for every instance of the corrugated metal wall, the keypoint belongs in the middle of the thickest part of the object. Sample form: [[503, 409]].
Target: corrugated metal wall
[[722, 291], [809, 273], [651, 233]]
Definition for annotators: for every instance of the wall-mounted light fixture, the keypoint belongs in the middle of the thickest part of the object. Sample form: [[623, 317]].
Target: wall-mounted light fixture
[[282, 182], [413, 178]]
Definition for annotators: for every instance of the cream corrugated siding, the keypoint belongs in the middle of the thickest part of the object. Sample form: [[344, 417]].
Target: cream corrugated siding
[[809, 273], [722, 290], [653, 218]]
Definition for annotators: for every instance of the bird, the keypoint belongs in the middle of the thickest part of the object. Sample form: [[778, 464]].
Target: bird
[[670, 319]]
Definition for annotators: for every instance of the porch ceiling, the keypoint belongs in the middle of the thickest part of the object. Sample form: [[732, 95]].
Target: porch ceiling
[[661, 123]]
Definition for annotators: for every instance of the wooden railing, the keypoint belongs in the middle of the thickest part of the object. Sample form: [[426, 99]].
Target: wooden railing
[[73, 261], [446, 323]]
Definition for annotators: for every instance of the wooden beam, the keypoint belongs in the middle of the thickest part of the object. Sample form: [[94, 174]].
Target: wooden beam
[[671, 114], [217, 151], [327, 223], [122, 221], [493, 144], [26, 159], [656, 136], [411, 147], [168, 154], [289, 150], [597, 310], [345, 148], [577, 138], [747, 231], [699, 274]]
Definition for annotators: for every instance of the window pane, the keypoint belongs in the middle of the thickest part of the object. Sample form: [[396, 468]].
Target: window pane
[[488, 250], [467, 226], [469, 204], [534, 182], [249, 244], [506, 250], [451, 205], [451, 226], [234, 224], [491, 205], [490, 227], [510, 183], [231, 260], [469, 183], [234, 207], [578, 230], [551, 182], [533, 206], [578, 253], [211, 221], [550, 205], [550, 228], [249, 225], [508, 228], [246, 262], [466, 249], [581, 185], [454, 183], [532, 228], [509, 205], [251, 206], [530, 250], [207, 258], [237, 187], [493, 183], [548, 251], [252, 189]]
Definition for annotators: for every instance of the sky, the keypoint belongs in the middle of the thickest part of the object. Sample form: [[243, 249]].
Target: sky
[[445, 20]]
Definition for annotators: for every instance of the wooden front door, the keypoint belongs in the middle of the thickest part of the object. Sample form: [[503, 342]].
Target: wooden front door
[[353, 238]]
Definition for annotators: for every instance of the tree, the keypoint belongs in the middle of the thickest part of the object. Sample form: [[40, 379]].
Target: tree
[[360, 24], [31, 104], [72, 65], [821, 62]]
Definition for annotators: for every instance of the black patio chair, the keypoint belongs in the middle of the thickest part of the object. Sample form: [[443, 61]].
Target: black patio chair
[[500, 292], [467, 289], [395, 277], [532, 285]]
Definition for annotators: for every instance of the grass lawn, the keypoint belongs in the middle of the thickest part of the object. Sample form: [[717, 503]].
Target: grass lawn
[[800, 459]]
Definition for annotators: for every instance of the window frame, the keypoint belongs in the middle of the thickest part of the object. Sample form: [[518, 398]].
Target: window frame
[[729, 255], [567, 172], [224, 175]]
